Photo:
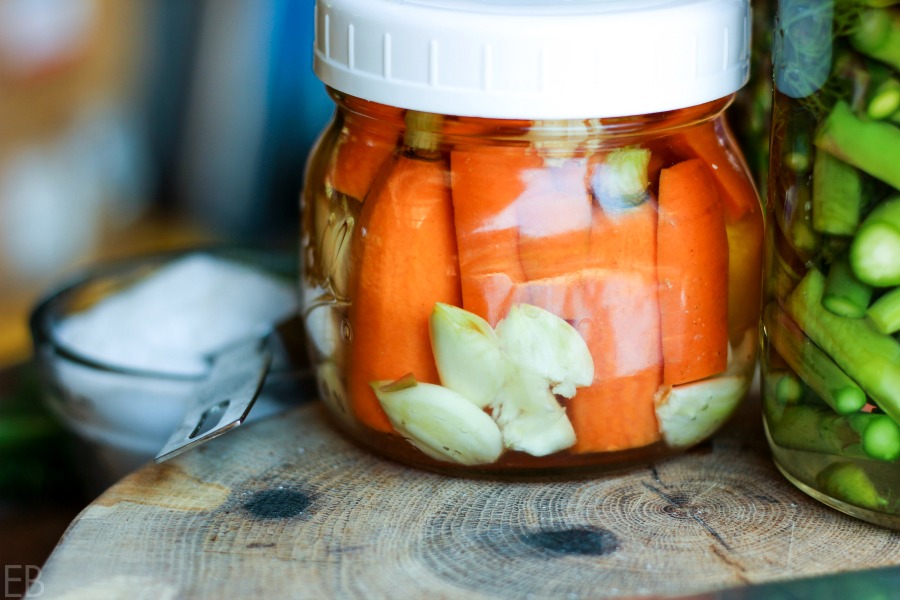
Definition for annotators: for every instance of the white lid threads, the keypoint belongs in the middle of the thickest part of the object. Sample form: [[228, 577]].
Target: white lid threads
[[534, 59]]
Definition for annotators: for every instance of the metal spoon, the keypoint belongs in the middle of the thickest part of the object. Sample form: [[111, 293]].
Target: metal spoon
[[238, 372]]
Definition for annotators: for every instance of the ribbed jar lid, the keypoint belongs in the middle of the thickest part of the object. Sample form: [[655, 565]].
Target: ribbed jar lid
[[538, 59]]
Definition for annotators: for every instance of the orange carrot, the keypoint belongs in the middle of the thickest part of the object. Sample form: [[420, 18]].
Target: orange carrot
[[616, 414], [621, 329], [710, 142], [368, 138], [554, 216], [405, 260], [487, 182], [743, 219], [692, 263], [562, 295]]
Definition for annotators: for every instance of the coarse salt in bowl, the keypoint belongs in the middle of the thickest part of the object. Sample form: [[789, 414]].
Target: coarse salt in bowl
[[123, 348]]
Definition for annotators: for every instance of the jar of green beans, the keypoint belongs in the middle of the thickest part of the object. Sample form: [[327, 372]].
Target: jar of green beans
[[831, 347]]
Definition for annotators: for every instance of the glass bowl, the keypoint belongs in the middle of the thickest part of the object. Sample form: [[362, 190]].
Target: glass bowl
[[122, 415]]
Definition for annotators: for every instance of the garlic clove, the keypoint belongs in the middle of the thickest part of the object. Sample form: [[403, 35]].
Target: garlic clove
[[530, 418], [690, 413], [440, 422], [467, 354], [544, 343]]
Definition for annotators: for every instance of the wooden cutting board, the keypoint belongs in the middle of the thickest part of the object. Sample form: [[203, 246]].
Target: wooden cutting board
[[287, 508]]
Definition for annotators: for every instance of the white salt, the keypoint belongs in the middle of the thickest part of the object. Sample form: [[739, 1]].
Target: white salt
[[183, 312]]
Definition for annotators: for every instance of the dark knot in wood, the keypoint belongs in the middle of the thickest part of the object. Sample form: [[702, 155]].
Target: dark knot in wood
[[580, 541], [277, 504]]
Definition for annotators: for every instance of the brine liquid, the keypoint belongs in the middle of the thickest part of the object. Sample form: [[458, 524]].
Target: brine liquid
[[803, 468]]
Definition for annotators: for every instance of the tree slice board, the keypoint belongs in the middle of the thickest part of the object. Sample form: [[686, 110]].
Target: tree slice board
[[287, 507]]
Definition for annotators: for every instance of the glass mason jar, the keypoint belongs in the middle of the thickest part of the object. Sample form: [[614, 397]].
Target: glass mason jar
[[831, 356], [507, 283]]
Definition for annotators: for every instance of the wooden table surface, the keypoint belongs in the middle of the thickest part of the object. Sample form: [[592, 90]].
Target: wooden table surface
[[287, 508]]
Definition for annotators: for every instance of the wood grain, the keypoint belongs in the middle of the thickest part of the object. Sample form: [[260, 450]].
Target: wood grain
[[288, 508]]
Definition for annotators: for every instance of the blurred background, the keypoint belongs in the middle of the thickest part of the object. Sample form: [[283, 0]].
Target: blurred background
[[131, 126], [128, 125]]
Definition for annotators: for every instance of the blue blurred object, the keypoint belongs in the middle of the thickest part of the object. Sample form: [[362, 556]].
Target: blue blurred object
[[254, 111], [299, 108]]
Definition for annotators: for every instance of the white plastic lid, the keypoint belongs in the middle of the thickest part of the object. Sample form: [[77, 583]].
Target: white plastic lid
[[537, 59]]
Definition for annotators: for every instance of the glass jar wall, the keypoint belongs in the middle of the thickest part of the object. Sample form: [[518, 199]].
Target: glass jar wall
[[831, 356], [526, 296]]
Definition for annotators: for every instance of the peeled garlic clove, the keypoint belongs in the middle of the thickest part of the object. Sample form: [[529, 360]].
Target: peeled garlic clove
[[322, 318], [336, 242], [467, 354], [530, 418], [524, 391], [539, 435], [546, 344], [692, 412], [440, 422]]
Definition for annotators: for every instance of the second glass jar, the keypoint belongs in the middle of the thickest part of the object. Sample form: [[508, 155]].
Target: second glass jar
[[831, 350], [523, 296]]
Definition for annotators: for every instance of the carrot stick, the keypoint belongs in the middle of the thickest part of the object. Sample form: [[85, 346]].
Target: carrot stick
[[554, 216], [709, 142], [693, 274], [405, 261], [486, 183], [368, 138], [616, 412], [562, 295]]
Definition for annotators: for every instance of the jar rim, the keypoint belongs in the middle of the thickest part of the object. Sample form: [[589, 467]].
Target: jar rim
[[463, 127]]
